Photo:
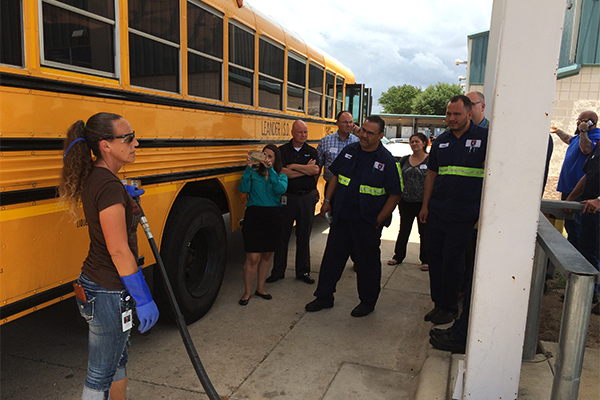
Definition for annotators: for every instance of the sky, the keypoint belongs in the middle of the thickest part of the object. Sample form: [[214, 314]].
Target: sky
[[387, 42]]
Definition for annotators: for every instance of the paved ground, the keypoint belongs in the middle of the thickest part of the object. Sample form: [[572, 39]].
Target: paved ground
[[266, 350]]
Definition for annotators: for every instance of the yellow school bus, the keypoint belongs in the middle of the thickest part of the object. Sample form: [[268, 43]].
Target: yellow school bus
[[201, 82]]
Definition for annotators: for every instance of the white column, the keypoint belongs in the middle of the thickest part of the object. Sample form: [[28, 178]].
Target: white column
[[520, 81]]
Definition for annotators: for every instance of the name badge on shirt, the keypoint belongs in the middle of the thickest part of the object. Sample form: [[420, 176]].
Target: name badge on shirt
[[333, 150], [444, 145], [348, 156], [472, 143], [423, 166], [379, 166]]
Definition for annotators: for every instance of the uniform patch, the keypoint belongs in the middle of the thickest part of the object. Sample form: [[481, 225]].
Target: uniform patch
[[473, 143], [379, 166], [348, 156], [444, 145]]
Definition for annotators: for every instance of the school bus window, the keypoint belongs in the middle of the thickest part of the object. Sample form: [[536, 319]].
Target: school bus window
[[315, 90], [339, 95], [270, 78], [104, 8], [241, 65], [11, 40], [296, 82], [78, 38], [158, 18], [154, 44], [329, 88], [205, 52]]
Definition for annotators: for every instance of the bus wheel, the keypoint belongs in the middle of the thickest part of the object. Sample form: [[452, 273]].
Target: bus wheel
[[194, 250]]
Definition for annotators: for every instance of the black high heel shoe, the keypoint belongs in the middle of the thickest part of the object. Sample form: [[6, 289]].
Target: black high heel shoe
[[266, 296], [243, 302]]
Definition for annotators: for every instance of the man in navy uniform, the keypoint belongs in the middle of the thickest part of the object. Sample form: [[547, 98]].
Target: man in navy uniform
[[368, 185], [588, 189], [450, 208]]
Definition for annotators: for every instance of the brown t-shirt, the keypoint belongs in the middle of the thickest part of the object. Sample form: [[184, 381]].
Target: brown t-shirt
[[103, 189]]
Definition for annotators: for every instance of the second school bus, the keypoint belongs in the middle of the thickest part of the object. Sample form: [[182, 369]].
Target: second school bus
[[201, 82]]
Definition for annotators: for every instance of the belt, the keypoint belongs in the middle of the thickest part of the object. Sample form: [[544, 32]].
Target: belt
[[300, 192]]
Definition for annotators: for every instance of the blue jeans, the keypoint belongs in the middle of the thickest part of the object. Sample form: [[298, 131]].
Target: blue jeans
[[589, 241], [107, 343]]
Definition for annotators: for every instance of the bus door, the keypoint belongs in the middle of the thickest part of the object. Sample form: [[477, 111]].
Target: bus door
[[359, 102]]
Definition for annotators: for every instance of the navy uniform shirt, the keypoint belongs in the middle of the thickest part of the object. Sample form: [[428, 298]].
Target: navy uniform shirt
[[591, 187], [459, 163], [365, 181]]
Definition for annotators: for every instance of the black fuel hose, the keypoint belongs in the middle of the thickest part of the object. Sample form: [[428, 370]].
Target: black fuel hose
[[183, 330]]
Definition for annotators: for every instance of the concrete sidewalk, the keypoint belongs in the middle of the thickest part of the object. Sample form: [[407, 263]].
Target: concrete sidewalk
[[269, 349]]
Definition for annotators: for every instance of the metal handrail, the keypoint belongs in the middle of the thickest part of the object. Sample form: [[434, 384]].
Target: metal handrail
[[580, 276]]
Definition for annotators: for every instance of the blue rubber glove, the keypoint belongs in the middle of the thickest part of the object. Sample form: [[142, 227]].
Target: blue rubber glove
[[134, 192], [145, 307]]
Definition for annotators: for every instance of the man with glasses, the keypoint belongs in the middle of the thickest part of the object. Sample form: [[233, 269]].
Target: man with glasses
[[478, 108], [580, 144], [367, 184]]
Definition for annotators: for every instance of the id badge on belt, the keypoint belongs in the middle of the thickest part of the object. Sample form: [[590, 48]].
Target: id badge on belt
[[127, 320], [284, 200]]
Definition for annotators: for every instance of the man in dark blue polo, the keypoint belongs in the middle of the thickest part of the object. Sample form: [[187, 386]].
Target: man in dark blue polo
[[367, 184], [451, 204]]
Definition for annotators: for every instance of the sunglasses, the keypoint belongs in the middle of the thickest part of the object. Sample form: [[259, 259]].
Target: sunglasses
[[128, 138]]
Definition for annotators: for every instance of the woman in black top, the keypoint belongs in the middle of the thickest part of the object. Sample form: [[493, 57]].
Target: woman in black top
[[414, 171]]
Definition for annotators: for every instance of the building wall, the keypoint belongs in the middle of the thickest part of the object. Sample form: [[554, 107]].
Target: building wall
[[576, 94]]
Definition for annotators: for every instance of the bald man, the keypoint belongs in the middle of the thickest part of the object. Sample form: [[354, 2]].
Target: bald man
[[301, 165], [580, 144], [478, 108]]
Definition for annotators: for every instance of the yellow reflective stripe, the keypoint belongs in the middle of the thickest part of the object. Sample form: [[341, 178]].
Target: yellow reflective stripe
[[461, 171], [344, 180], [399, 168], [373, 191]]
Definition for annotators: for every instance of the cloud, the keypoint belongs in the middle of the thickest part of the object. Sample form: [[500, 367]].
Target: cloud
[[386, 43]]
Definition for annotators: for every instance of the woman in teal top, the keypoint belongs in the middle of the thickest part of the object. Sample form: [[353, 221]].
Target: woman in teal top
[[261, 228]]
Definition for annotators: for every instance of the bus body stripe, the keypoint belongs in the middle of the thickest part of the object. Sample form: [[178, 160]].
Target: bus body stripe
[[38, 194], [49, 85]]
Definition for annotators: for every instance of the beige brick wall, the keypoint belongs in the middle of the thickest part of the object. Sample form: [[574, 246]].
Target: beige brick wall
[[574, 95]]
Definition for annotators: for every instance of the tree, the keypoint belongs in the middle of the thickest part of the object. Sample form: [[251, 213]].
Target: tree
[[434, 99], [399, 99]]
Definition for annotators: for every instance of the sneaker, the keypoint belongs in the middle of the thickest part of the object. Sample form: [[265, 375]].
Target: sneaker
[[318, 304], [306, 278]]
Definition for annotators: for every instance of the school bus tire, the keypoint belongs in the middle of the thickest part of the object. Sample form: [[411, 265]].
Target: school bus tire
[[194, 251]]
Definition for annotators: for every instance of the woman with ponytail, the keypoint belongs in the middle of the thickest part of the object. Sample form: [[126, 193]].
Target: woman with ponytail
[[110, 280]]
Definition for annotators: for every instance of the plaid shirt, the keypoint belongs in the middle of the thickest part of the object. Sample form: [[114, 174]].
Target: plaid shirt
[[329, 147]]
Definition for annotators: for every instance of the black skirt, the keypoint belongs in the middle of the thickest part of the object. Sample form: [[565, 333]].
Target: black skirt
[[261, 229]]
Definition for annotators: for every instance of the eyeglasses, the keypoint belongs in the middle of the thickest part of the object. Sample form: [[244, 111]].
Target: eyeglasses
[[582, 120], [362, 130], [128, 138], [475, 102]]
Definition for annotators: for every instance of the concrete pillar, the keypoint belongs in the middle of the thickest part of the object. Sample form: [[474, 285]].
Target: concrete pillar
[[520, 82]]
